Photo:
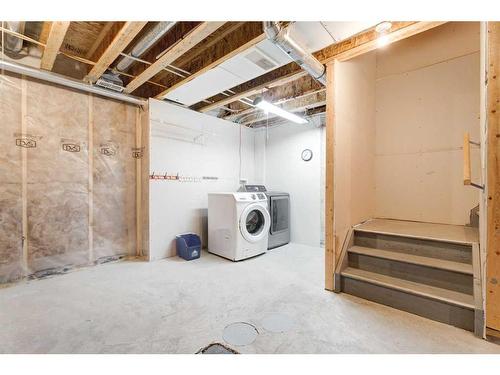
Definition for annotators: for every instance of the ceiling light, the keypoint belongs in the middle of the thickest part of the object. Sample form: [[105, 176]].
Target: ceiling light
[[383, 29], [382, 40], [268, 107]]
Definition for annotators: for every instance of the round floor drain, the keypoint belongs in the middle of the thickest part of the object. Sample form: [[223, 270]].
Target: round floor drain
[[277, 323], [240, 334]]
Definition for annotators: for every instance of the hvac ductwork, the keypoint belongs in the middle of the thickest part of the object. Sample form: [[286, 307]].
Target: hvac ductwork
[[281, 38], [12, 43], [68, 82], [144, 44]]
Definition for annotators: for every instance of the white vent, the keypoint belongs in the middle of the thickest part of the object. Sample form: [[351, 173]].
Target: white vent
[[109, 85], [260, 59]]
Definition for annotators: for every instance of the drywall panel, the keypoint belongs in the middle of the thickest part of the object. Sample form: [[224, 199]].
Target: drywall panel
[[452, 39], [354, 143], [193, 145], [57, 179], [114, 178], [279, 148], [10, 179], [420, 121]]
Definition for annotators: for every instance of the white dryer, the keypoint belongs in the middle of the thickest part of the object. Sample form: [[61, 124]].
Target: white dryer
[[238, 224]]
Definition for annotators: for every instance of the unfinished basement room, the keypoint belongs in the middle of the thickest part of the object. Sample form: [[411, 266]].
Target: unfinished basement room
[[249, 187]]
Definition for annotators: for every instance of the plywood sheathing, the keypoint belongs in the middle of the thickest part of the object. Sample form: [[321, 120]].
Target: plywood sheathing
[[11, 225], [493, 180]]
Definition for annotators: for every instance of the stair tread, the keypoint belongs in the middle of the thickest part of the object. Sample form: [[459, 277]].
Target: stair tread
[[457, 234], [414, 259], [449, 296]]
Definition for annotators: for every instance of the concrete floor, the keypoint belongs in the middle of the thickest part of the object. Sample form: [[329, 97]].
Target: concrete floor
[[174, 306]]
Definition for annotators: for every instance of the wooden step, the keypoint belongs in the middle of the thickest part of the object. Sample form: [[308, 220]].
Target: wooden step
[[457, 234], [399, 256], [410, 287]]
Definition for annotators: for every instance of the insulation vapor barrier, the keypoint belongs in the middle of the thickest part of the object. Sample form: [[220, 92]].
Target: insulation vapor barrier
[[67, 179]]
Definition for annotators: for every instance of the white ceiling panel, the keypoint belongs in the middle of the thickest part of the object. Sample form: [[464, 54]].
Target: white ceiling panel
[[204, 86], [344, 30], [311, 35]]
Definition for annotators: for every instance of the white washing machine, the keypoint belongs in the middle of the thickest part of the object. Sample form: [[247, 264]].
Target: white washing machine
[[238, 224]]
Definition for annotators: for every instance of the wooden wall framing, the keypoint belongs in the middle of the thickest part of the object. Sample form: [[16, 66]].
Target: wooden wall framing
[[66, 201], [493, 180]]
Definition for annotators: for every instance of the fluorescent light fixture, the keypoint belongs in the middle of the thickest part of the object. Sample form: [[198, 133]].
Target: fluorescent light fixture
[[268, 107], [382, 41], [383, 29]]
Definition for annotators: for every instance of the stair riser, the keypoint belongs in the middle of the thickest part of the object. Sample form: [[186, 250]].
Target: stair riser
[[428, 248], [421, 274], [429, 308]]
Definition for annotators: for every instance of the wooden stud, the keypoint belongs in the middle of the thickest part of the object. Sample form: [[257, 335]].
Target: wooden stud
[[55, 39], [121, 40], [138, 179], [91, 177], [24, 175], [352, 47], [329, 179], [190, 40], [493, 179]]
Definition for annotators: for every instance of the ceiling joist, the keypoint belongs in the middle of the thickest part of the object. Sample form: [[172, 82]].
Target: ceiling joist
[[122, 39], [190, 40], [55, 39], [352, 47], [235, 41]]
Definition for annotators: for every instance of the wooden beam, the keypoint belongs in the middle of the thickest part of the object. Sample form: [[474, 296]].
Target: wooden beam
[[330, 261], [352, 47], [55, 39], [190, 40], [121, 40], [493, 180], [299, 104], [229, 45]]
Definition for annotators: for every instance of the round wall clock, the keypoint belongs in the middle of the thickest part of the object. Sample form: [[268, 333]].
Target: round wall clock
[[307, 154]]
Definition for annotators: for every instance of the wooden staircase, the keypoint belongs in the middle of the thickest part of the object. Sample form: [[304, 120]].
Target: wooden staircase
[[431, 270]]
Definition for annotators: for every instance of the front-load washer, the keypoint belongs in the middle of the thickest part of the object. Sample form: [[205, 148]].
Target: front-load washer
[[238, 224]]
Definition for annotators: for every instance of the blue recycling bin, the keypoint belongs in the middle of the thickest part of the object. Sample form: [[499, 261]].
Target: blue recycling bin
[[188, 246]]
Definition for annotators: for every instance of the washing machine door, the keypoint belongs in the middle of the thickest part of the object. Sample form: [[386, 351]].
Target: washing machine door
[[254, 223]]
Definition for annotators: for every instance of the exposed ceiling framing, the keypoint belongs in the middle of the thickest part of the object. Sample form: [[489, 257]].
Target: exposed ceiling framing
[[121, 40], [188, 51], [194, 37], [55, 39]]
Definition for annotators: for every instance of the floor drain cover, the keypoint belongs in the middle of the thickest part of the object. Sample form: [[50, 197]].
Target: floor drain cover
[[277, 323], [240, 334], [217, 348]]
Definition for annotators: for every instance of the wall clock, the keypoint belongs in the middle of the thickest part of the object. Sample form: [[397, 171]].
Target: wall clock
[[307, 154]]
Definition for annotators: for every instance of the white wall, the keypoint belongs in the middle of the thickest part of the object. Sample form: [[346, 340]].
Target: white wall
[[279, 166], [179, 207]]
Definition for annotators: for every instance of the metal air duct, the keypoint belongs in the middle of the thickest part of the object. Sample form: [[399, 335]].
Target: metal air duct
[[11, 42], [144, 44], [281, 38]]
